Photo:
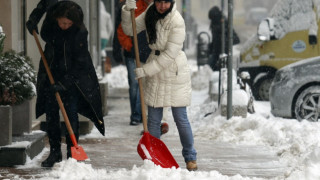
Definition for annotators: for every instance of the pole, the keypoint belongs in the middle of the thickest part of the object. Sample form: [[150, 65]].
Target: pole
[[222, 48], [223, 38], [230, 37], [185, 17], [101, 57]]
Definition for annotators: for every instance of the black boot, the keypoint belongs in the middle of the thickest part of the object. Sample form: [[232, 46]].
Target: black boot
[[54, 156], [69, 152], [54, 135]]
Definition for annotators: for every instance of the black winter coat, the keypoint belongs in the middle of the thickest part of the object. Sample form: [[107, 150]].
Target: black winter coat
[[41, 8], [215, 49], [215, 15], [71, 65]]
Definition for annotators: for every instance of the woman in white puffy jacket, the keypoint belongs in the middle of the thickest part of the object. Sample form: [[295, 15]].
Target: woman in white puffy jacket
[[166, 72]]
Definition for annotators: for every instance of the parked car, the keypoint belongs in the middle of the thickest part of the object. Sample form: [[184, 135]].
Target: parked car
[[295, 90], [281, 39]]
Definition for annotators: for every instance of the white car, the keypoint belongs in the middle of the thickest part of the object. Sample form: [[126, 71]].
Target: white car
[[295, 90]]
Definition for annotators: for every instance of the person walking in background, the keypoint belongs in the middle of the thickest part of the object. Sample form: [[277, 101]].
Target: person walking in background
[[69, 60], [126, 44], [215, 15], [166, 72], [106, 30], [117, 50], [106, 26]]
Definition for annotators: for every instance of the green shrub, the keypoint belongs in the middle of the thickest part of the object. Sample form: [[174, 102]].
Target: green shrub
[[2, 37], [17, 78]]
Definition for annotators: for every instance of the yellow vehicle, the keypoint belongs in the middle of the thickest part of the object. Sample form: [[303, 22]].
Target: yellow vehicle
[[290, 34]]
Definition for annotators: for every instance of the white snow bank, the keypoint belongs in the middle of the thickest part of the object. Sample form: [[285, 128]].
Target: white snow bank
[[73, 170]]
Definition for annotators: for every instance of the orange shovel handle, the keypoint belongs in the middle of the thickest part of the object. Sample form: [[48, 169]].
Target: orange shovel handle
[[74, 140], [63, 111]]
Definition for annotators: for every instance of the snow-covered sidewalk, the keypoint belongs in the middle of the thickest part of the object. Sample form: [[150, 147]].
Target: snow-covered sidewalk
[[257, 147]]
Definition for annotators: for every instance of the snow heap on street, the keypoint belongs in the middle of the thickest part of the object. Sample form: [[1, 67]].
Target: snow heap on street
[[290, 16], [295, 15], [297, 143], [147, 171]]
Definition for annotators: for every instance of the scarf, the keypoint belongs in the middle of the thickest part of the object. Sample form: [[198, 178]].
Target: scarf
[[152, 17]]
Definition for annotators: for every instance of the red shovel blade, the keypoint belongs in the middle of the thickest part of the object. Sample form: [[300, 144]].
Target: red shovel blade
[[155, 150], [78, 153]]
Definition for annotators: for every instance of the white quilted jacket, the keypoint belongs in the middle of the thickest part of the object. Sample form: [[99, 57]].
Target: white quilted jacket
[[168, 80]]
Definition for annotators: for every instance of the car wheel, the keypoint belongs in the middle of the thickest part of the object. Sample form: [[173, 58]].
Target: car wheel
[[262, 88], [307, 105]]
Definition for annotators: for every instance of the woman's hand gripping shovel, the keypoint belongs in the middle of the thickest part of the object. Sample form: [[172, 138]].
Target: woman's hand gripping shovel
[[150, 147], [77, 152]]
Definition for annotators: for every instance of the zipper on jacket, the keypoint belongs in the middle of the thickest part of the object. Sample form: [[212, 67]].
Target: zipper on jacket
[[64, 53], [99, 121], [52, 56], [177, 67]]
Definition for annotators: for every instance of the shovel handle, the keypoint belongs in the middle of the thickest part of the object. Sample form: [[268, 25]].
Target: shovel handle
[[74, 140], [63, 111], [136, 51]]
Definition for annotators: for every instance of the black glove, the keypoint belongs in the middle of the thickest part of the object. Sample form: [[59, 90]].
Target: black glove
[[58, 88], [32, 26]]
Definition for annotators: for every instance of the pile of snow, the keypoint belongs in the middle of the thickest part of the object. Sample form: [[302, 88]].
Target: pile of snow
[[294, 15], [289, 16], [148, 171], [118, 78]]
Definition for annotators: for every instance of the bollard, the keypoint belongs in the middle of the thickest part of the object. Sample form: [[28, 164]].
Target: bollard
[[21, 118], [5, 125]]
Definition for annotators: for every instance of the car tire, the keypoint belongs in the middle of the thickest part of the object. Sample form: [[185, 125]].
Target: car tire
[[307, 105], [262, 87]]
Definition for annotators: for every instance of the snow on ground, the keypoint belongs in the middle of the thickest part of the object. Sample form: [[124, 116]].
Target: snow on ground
[[148, 171], [297, 143]]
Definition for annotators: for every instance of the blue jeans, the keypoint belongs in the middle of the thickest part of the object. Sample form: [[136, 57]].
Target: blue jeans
[[134, 94], [185, 132]]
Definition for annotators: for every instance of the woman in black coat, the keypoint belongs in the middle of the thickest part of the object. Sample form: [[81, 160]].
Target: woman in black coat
[[75, 78], [215, 15]]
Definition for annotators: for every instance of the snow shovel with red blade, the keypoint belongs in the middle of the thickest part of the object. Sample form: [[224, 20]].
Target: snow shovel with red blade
[[77, 152], [150, 147]]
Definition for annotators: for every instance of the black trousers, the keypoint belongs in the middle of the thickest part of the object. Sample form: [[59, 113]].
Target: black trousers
[[70, 100]]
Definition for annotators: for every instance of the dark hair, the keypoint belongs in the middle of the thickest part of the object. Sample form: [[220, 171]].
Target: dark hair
[[152, 17], [215, 15], [70, 10]]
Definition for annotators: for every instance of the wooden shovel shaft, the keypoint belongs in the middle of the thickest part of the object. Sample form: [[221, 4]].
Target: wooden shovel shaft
[[63, 111], [136, 51]]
